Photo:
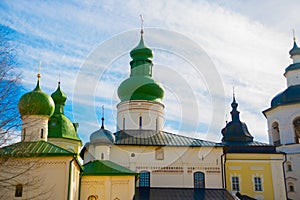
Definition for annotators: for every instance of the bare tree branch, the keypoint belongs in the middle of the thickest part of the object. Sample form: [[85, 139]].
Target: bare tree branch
[[9, 86]]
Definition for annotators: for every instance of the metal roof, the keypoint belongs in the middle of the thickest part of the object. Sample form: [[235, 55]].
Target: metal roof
[[33, 149], [105, 168], [182, 193], [158, 138], [288, 96], [248, 147]]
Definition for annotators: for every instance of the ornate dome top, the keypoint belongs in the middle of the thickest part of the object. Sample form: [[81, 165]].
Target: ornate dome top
[[102, 136], [59, 96], [295, 50], [140, 85], [236, 131], [59, 126], [36, 102]]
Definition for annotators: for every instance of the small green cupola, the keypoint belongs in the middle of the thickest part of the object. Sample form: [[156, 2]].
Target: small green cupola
[[236, 131], [36, 102], [59, 98], [140, 85], [59, 126]]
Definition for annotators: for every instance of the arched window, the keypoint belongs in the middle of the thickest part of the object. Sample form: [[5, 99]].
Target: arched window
[[102, 156], [141, 122], [93, 197], [19, 190], [275, 134], [42, 133], [199, 180], [289, 166], [296, 124], [123, 128], [144, 179], [291, 187]]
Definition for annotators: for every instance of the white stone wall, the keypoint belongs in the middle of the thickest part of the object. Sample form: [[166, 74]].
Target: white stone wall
[[34, 128], [152, 114], [108, 187], [45, 178], [278, 179], [292, 176], [96, 152], [296, 58], [284, 116], [177, 167], [292, 77]]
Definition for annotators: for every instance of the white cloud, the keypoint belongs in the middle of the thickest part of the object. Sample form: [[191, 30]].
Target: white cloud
[[247, 46]]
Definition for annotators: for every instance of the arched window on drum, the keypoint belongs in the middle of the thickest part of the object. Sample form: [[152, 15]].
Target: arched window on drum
[[296, 124], [276, 134]]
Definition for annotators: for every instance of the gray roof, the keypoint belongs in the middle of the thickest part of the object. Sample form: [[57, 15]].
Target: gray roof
[[158, 138], [182, 193]]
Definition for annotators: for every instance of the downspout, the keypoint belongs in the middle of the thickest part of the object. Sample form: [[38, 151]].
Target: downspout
[[79, 192], [222, 169], [70, 172], [224, 184], [283, 163]]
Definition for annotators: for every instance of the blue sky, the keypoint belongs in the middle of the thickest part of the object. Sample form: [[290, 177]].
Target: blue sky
[[244, 44]]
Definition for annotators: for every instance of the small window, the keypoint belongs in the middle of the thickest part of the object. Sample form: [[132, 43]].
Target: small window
[[291, 187], [144, 179], [123, 128], [19, 190], [102, 156], [296, 123], [235, 183], [257, 184], [42, 133], [199, 180], [159, 153], [289, 167], [141, 122], [276, 134]]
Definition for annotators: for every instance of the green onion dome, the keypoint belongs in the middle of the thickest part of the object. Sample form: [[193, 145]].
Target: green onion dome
[[36, 102], [140, 88], [140, 85], [141, 51], [59, 126], [59, 96]]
